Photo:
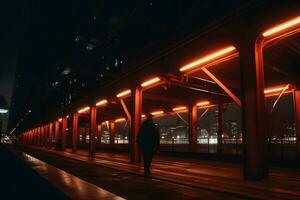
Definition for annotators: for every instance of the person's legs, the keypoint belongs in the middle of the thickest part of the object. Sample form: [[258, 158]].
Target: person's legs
[[148, 155]]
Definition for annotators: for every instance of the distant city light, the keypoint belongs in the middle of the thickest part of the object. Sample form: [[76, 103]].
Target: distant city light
[[3, 111]]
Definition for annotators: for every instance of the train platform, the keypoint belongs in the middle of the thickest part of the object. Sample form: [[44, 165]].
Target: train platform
[[284, 183]]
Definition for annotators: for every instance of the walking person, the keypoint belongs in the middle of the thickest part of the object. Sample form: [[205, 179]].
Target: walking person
[[148, 140]]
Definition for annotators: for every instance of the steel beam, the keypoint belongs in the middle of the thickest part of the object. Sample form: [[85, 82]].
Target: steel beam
[[220, 126], [64, 133], [192, 128], [50, 134], [93, 131], [253, 110], [112, 132], [135, 124], [75, 132], [56, 133]]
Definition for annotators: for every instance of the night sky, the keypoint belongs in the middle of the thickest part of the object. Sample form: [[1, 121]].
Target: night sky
[[12, 25]]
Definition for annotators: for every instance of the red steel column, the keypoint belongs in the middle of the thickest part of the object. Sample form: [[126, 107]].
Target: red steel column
[[192, 128], [135, 124], [297, 120], [42, 136], [253, 110], [39, 136], [220, 126], [75, 132], [93, 130], [64, 133], [50, 134], [99, 133], [112, 131], [56, 133]]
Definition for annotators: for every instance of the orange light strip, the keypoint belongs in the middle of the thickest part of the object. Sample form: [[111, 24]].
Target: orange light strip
[[180, 108], [281, 27], [124, 93], [102, 102], [150, 82], [203, 103], [159, 112], [84, 109], [276, 89], [208, 58], [120, 120]]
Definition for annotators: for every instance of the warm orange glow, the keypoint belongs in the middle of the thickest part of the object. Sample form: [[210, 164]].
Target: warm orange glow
[[159, 112], [276, 89], [150, 82], [84, 109], [67, 116], [143, 115], [180, 108], [60, 119], [208, 58], [281, 27], [102, 102], [203, 103], [124, 93], [120, 120]]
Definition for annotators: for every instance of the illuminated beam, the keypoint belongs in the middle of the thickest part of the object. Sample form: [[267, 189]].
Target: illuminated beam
[[282, 27], [150, 82], [180, 109], [124, 93], [125, 109], [214, 78], [159, 112], [209, 58], [279, 96], [276, 89], [203, 103], [120, 120], [102, 102], [84, 109]]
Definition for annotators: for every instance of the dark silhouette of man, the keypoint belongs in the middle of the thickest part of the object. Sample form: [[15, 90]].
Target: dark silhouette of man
[[148, 140]]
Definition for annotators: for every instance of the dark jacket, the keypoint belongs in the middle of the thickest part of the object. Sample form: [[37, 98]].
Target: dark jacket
[[148, 137]]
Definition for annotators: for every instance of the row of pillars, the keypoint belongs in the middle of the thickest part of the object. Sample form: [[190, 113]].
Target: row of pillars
[[253, 120]]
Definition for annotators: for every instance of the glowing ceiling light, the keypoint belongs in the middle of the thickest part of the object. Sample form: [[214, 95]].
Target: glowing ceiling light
[[84, 109], [124, 93], [120, 120], [143, 115], [203, 103], [180, 108], [208, 58], [102, 102], [60, 119], [150, 82], [67, 116], [276, 89], [159, 112], [281, 27]]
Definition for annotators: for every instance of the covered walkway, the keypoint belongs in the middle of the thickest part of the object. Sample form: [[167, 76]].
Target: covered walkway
[[211, 175], [252, 69]]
